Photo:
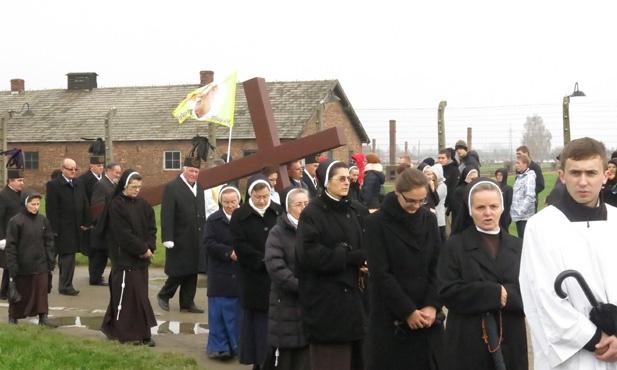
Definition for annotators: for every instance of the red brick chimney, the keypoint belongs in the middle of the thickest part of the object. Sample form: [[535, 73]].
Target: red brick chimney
[[205, 77], [17, 85]]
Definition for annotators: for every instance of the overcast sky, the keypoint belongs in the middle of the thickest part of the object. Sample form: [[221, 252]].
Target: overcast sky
[[495, 64]]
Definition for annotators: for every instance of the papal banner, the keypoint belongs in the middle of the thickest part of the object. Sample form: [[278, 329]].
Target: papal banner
[[214, 103]]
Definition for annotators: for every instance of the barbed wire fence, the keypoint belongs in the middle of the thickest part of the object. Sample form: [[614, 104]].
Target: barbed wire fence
[[496, 130]]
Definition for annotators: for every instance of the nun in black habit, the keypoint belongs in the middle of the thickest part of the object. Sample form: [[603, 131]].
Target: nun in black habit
[[128, 226]]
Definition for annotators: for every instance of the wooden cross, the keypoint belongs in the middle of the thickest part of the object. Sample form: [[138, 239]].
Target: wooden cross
[[271, 151]]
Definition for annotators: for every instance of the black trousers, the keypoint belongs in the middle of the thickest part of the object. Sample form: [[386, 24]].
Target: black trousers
[[188, 288], [66, 266], [97, 261]]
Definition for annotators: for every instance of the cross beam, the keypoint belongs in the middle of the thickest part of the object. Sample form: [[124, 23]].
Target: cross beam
[[271, 151]]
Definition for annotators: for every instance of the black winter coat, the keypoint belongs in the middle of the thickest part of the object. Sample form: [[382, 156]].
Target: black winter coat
[[249, 231], [403, 267], [67, 209], [470, 285], [330, 296], [131, 231], [451, 174], [89, 180], [182, 222], [370, 188], [10, 204], [29, 244], [284, 317], [223, 279]]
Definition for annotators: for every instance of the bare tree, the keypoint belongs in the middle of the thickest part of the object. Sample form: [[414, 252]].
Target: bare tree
[[536, 137]]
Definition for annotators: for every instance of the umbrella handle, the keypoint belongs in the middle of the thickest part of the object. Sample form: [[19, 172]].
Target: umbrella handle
[[581, 280]]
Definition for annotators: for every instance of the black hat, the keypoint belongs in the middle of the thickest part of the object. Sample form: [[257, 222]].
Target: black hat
[[15, 163], [311, 159], [97, 152], [430, 161]]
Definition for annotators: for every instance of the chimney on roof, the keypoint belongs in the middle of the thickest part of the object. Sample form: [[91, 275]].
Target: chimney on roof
[[205, 77], [81, 81], [17, 85]]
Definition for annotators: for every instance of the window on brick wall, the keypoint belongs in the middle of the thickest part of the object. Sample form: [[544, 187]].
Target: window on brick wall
[[249, 152], [31, 160], [172, 160]]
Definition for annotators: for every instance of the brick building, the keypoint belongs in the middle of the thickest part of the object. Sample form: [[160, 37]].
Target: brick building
[[144, 133]]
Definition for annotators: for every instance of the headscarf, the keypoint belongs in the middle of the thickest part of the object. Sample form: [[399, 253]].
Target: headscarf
[[504, 174], [359, 159], [465, 220], [286, 196], [124, 181], [323, 172]]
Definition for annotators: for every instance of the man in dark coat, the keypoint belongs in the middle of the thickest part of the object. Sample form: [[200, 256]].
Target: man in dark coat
[[98, 254], [91, 178], [11, 199], [308, 175], [69, 215], [294, 170], [465, 157], [182, 224]]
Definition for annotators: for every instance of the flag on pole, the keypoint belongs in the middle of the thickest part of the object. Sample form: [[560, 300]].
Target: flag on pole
[[215, 102]]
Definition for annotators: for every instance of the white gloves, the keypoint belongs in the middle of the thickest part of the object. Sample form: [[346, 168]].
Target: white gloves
[[2, 244], [168, 245]]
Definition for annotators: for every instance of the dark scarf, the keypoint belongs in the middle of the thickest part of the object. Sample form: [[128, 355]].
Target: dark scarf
[[576, 212], [413, 222]]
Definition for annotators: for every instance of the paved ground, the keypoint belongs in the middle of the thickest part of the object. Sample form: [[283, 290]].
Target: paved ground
[[177, 332]]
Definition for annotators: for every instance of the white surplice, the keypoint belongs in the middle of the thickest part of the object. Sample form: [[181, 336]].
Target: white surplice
[[561, 327]]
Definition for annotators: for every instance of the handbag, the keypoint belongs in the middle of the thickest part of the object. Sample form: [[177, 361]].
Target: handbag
[[14, 295]]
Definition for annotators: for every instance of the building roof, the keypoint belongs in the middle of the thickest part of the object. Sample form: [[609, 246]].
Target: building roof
[[144, 113]]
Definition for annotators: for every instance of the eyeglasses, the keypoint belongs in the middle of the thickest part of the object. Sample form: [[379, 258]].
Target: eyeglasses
[[73, 169], [299, 204], [414, 202], [232, 203], [343, 178]]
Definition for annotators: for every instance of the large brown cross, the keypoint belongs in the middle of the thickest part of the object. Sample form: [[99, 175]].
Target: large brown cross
[[271, 151]]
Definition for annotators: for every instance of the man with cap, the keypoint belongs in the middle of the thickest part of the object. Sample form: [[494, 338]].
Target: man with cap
[[102, 191], [11, 199], [68, 211], [465, 158], [308, 175], [182, 224], [91, 178]]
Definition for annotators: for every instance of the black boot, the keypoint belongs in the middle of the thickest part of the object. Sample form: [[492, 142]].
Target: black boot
[[12, 321], [44, 321]]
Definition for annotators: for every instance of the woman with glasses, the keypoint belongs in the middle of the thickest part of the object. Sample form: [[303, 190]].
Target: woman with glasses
[[478, 274], [403, 242], [330, 256], [289, 349], [272, 174], [129, 226], [223, 289], [250, 225]]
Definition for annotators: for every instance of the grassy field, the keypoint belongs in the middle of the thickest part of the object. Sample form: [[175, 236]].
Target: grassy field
[[36, 347]]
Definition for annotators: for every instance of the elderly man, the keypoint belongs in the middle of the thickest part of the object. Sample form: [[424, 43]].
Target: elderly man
[[182, 226], [11, 200], [69, 215], [575, 233], [102, 191], [308, 176], [294, 170]]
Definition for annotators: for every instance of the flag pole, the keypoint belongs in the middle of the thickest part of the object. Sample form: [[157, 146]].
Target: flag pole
[[229, 145]]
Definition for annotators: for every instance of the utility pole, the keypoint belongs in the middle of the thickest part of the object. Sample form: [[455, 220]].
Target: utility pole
[[109, 145], [441, 125]]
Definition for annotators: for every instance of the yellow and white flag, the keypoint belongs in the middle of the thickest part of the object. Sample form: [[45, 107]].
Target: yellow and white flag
[[215, 102]]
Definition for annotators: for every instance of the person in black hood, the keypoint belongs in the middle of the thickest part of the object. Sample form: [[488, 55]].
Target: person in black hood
[[458, 200], [330, 255], [501, 175]]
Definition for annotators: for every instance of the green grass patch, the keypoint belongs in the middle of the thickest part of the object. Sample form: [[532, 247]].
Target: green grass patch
[[35, 347]]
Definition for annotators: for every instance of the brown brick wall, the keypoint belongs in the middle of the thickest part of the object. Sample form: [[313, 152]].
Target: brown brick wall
[[147, 156]]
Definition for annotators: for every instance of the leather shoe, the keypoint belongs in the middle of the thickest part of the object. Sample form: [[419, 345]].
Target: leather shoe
[[100, 283], [225, 356], [192, 309], [4, 297], [145, 342], [12, 321], [69, 292], [44, 321], [163, 304]]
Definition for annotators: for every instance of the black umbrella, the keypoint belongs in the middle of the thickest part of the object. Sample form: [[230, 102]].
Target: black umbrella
[[493, 336], [604, 315]]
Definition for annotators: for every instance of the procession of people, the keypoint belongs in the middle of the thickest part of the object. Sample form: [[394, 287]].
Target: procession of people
[[338, 274]]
